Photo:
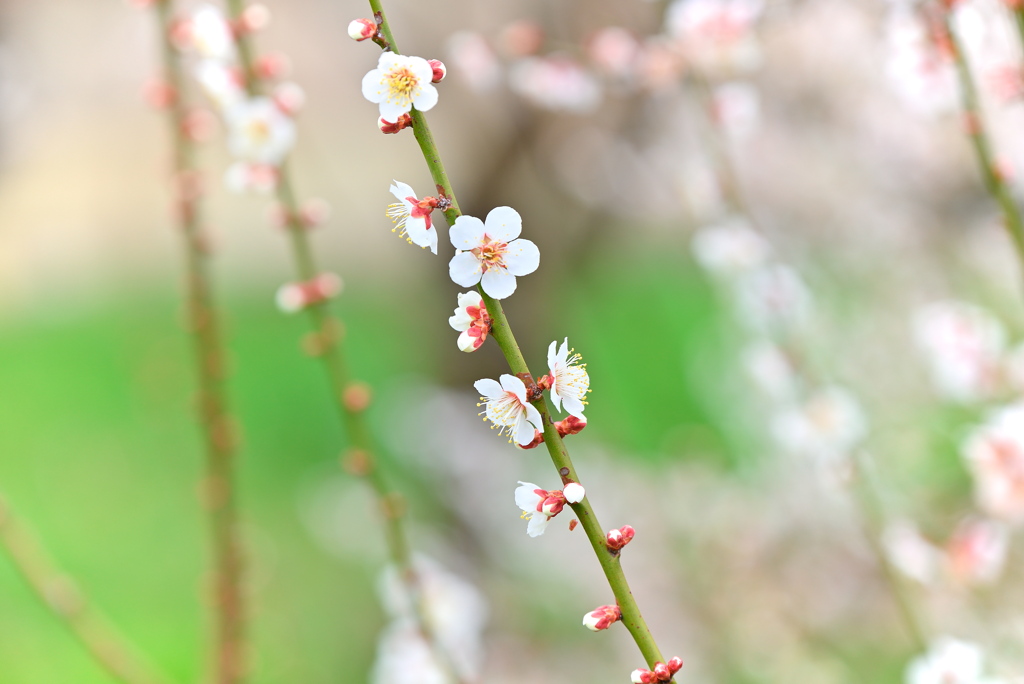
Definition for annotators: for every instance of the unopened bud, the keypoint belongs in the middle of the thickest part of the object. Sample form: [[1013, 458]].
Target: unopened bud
[[272, 66], [159, 94], [574, 492], [553, 504], [602, 617], [571, 425], [362, 29], [675, 663], [616, 539], [293, 297], [404, 121], [255, 17], [641, 676], [439, 70], [315, 213], [356, 397], [289, 98], [661, 671]]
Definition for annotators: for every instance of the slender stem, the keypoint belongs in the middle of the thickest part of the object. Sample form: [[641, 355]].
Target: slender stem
[[327, 335], [108, 646], [502, 334], [228, 601], [995, 183]]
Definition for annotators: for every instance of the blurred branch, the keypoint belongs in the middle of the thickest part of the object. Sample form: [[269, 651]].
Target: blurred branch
[[219, 499], [58, 593], [502, 333]]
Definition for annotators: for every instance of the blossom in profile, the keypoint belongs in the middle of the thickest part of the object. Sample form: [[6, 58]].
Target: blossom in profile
[[602, 617], [507, 408], [994, 453], [569, 381], [539, 506], [411, 216], [491, 253], [259, 132], [398, 84], [948, 661], [472, 320], [963, 346]]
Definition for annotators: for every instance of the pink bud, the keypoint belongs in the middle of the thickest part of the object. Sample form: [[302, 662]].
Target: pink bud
[[315, 213], [662, 672], [362, 29], [675, 663], [574, 492], [571, 425], [289, 98], [553, 504], [616, 539], [641, 676], [254, 18], [272, 66], [439, 70], [602, 617], [405, 121], [199, 124], [159, 94], [293, 297]]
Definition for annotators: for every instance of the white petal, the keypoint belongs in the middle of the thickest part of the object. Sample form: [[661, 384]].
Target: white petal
[[427, 97], [390, 60], [527, 497], [522, 257], [538, 523], [461, 320], [401, 190], [467, 232], [392, 111], [489, 389], [573, 406], [563, 351], [504, 224], [574, 492], [524, 431], [467, 342], [471, 298], [533, 415], [511, 383], [465, 269], [552, 356], [498, 283], [373, 89], [416, 229], [556, 398]]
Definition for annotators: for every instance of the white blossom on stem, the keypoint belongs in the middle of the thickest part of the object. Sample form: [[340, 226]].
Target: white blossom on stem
[[489, 252], [995, 456], [963, 345], [507, 408], [539, 506], [948, 661], [472, 320], [259, 132], [210, 34], [411, 216], [398, 84], [569, 381]]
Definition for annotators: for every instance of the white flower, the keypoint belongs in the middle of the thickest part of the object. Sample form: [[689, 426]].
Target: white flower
[[574, 492], [771, 370], [995, 455], [507, 408], [259, 131], [827, 426], [400, 83], [474, 60], [472, 320], [221, 82], [920, 71], [730, 248], [948, 661], [211, 34], [556, 83], [539, 506], [412, 216], [489, 253], [963, 345], [569, 382], [773, 298]]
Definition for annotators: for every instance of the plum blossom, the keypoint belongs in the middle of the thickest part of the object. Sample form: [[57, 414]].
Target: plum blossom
[[221, 82], [976, 553], [210, 34], [259, 132], [730, 248], [826, 426], [398, 84], [539, 506], [489, 252], [948, 661], [556, 83], [569, 381], [963, 345], [475, 60], [472, 320], [717, 36], [920, 69], [507, 408], [995, 456], [411, 216], [773, 298]]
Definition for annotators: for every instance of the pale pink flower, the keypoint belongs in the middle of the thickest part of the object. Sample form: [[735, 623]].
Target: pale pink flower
[[827, 426], [963, 345], [539, 506], [773, 298], [921, 71], [411, 216], [976, 553], [222, 83], [995, 456], [474, 61], [716, 35], [259, 132], [472, 320], [737, 108], [398, 84], [507, 408], [615, 51], [489, 252], [948, 661], [569, 381], [555, 82]]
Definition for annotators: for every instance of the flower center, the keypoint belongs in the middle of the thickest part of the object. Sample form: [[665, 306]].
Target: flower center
[[258, 131], [491, 253], [402, 86]]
